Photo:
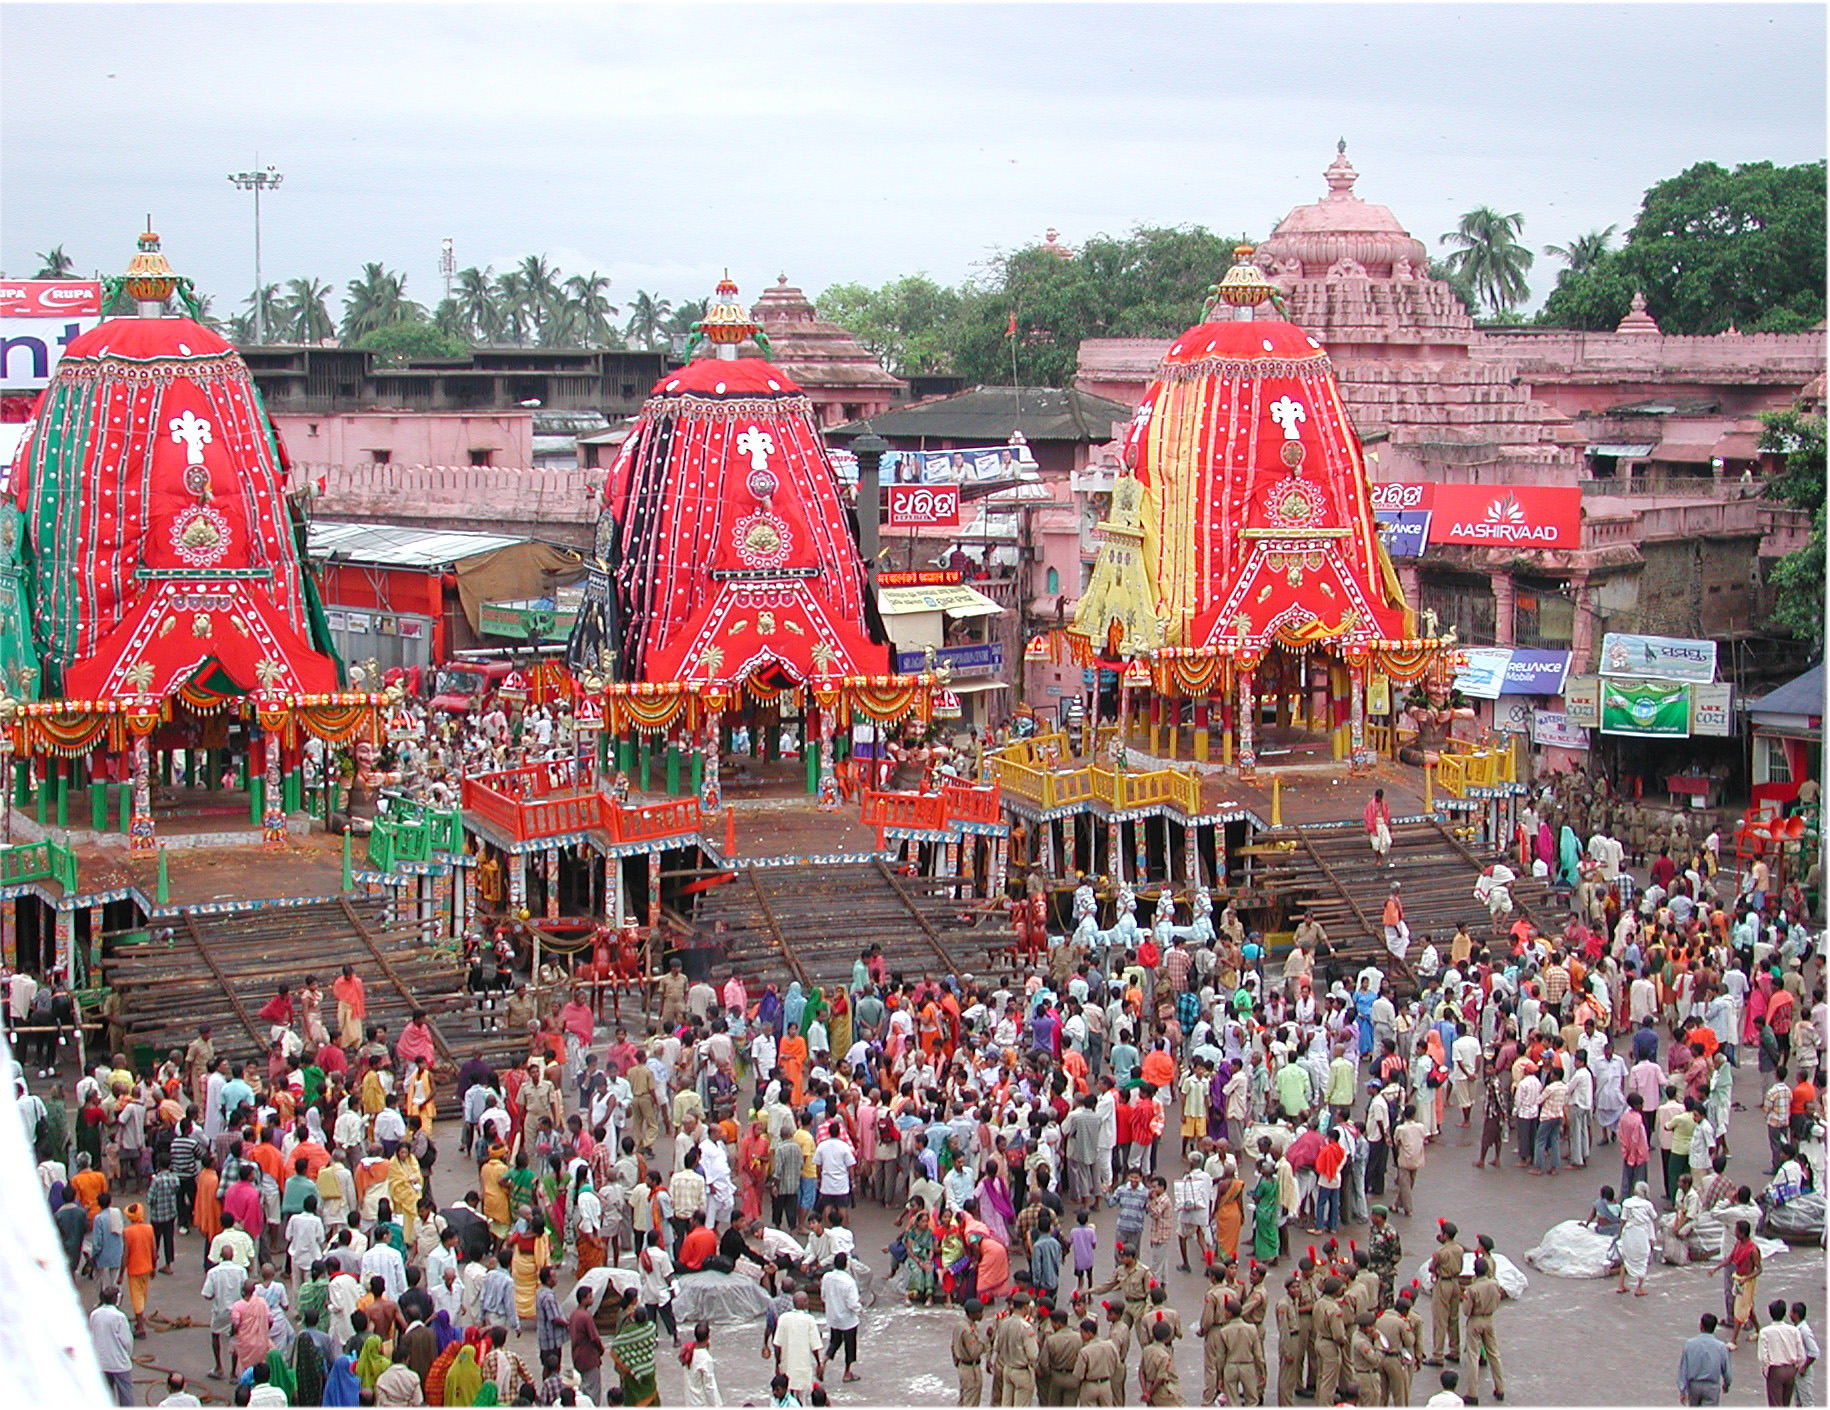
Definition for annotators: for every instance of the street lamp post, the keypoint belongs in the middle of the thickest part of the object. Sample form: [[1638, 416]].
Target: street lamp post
[[262, 179]]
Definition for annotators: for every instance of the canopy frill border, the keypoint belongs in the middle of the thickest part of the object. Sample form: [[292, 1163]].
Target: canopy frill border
[[71, 728], [656, 707], [1202, 670]]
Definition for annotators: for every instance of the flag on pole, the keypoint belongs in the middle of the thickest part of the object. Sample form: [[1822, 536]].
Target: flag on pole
[[1010, 330]]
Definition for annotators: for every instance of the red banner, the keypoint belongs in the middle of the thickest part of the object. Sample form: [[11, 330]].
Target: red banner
[[1527, 516], [50, 298], [920, 577], [923, 506]]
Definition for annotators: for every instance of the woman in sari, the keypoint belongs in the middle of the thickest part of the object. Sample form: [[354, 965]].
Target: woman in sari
[[588, 1222], [1229, 1215], [838, 1022], [995, 1207], [406, 1183], [632, 1352], [419, 1104], [794, 1006], [923, 1281], [1638, 1228], [1265, 1209], [434, 1385], [754, 1165], [372, 1362], [1569, 857], [308, 1370], [464, 1380], [531, 1249], [768, 1016], [991, 1278], [206, 1208], [813, 1022], [342, 1386], [791, 1057], [386, 1228], [279, 1375]]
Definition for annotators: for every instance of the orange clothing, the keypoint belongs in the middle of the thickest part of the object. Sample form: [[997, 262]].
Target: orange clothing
[[348, 990], [267, 1156], [792, 1057], [1159, 1069], [87, 1186], [138, 1249], [206, 1209]]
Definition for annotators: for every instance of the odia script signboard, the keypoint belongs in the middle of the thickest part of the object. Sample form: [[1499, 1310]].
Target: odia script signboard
[[923, 506]]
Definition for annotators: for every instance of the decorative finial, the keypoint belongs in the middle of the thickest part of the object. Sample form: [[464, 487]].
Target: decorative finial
[[1244, 286], [1340, 147], [150, 278], [1340, 175], [726, 323]]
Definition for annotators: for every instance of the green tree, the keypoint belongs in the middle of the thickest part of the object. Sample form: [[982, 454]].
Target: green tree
[[1486, 248], [537, 289], [1150, 283], [305, 311], [1459, 284], [375, 300], [909, 324], [1797, 579], [272, 319], [480, 304], [681, 320], [396, 342], [583, 313], [647, 317], [55, 264], [1711, 247], [1585, 251]]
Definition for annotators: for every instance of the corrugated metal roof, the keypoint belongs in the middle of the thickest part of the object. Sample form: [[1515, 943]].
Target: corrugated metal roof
[[1803, 695], [395, 547], [987, 416]]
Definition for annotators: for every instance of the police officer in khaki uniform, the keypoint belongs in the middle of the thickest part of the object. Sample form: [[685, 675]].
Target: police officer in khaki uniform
[[1099, 1370], [1242, 1360], [1014, 1348], [1445, 1296], [1157, 1382], [969, 1347], [1328, 1340], [1118, 1332], [1483, 1299], [1366, 1360], [1215, 1303], [1055, 1383], [1401, 1352], [1131, 1281], [1290, 1337]]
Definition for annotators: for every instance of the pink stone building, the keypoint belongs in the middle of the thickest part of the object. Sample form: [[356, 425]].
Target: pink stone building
[[845, 382], [351, 438]]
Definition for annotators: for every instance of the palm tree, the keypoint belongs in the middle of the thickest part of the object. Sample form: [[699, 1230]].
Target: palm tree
[[306, 311], [647, 315], [1585, 251], [687, 314], [55, 264], [272, 320], [515, 310], [480, 304], [540, 291], [589, 311], [375, 300], [1488, 251]]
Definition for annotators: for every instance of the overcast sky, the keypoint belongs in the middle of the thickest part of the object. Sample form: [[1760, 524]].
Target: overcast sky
[[658, 145]]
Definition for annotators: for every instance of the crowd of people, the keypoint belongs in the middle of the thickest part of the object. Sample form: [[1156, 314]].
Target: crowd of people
[[1046, 1148]]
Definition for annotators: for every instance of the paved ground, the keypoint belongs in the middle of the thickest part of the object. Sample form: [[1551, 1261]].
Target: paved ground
[[1565, 1343]]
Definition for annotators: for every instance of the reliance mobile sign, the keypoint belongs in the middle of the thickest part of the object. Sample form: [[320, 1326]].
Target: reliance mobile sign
[[1525, 516], [39, 318]]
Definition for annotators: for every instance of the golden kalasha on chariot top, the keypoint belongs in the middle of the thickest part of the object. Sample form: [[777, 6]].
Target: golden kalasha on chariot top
[[151, 583], [1241, 560]]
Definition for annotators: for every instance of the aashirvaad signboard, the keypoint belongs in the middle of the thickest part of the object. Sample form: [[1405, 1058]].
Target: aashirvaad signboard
[[1519, 516], [39, 318]]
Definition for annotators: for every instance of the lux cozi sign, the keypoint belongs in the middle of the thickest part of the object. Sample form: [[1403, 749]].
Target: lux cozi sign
[[39, 318], [1523, 516]]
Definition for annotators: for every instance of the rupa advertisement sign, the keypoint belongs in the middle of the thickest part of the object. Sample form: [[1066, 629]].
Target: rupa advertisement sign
[[1522, 516], [39, 318]]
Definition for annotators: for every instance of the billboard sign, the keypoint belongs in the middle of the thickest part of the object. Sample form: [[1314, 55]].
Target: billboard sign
[[1647, 708], [1480, 671], [1664, 658], [1582, 700], [1553, 728], [1524, 516], [1712, 710], [39, 318], [1406, 532], [965, 466], [922, 506]]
